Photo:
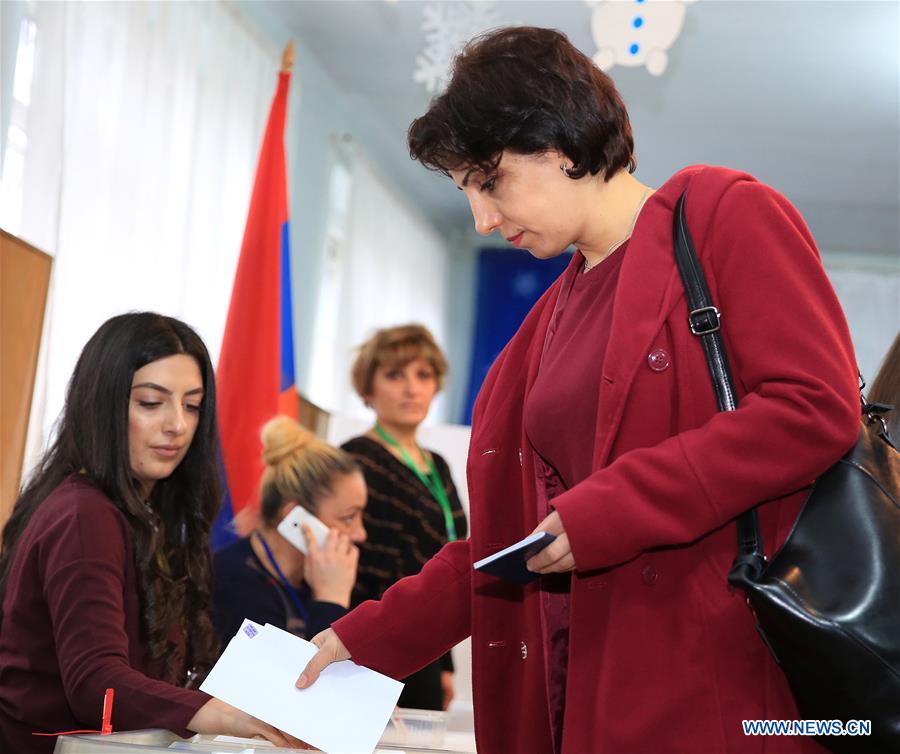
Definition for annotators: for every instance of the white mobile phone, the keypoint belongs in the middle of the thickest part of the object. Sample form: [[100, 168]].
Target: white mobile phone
[[290, 528]]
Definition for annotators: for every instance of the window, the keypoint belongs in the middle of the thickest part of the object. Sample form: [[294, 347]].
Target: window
[[324, 383]]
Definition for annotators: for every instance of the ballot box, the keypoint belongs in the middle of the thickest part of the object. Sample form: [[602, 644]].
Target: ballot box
[[411, 731]]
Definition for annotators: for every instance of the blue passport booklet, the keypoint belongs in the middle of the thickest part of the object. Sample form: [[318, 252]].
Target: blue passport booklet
[[509, 563]]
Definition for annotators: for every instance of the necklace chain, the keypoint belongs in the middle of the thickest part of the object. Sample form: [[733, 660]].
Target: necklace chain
[[587, 267]]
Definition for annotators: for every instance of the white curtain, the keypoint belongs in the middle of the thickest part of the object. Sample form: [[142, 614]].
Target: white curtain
[[142, 138], [389, 268]]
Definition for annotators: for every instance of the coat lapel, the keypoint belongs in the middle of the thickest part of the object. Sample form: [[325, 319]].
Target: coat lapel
[[648, 288]]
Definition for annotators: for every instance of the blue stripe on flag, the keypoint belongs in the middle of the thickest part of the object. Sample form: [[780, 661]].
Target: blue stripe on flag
[[222, 533], [287, 328]]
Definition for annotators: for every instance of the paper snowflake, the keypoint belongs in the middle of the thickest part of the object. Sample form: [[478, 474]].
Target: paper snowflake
[[447, 27]]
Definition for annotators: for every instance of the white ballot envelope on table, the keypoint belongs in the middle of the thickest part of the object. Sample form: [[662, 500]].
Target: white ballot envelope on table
[[346, 710]]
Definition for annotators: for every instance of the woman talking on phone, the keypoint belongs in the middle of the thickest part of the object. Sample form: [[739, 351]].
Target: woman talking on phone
[[266, 578]]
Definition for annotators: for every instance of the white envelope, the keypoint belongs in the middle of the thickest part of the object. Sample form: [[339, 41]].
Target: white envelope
[[344, 712]]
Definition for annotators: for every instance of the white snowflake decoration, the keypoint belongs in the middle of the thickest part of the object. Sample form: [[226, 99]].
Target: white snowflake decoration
[[448, 26], [636, 32]]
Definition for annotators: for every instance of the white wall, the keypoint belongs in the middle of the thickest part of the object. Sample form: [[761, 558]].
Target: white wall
[[868, 287]]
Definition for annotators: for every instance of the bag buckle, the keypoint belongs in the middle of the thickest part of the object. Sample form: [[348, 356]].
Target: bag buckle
[[705, 320]]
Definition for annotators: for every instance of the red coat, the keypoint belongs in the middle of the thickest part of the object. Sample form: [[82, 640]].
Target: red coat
[[662, 657]]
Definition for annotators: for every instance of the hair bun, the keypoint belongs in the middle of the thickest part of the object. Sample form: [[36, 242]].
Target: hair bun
[[281, 438]]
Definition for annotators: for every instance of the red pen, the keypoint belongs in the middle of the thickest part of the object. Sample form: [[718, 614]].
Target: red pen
[[106, 723]]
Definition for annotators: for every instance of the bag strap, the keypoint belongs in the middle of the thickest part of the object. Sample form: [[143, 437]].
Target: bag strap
[[705, 321]]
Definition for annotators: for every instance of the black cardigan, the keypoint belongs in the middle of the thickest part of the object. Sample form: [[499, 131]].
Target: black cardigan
[[405, 527]]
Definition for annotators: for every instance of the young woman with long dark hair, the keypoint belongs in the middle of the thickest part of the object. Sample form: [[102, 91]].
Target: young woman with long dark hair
[[105, 562]]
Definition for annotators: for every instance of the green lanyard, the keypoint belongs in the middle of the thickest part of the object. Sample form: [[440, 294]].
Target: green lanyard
[[432, 482]]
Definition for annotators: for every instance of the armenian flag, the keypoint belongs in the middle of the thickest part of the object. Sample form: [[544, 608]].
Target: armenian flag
[[255, 373]]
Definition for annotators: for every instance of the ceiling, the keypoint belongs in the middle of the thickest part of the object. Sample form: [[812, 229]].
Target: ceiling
[[805, 95]]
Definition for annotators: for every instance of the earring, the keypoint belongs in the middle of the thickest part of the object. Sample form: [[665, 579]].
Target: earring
[[566, 170]]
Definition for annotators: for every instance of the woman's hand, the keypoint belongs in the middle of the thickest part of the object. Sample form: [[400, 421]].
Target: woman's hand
[[330, 570], [557, 556], [222, 719], [447, 688], [331, 649]]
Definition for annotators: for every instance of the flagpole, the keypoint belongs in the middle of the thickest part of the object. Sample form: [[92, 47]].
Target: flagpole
[[288, 57]]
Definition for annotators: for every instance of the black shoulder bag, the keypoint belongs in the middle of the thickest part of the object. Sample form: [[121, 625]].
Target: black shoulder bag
[[827, 604]]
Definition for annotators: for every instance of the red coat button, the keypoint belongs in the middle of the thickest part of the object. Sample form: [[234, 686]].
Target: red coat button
[[649, 575], [658, 360]]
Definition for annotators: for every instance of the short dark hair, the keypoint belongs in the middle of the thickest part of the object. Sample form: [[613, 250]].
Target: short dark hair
[[92, 440], [528, 90]]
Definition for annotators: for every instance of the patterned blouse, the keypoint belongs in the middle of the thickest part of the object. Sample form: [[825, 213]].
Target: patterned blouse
[[405, 527]]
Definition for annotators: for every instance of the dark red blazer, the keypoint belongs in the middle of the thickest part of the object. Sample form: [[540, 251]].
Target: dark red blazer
[[663, 658], [72, 628]]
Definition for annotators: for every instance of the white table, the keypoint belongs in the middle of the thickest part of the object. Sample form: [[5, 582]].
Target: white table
[[458, 738]]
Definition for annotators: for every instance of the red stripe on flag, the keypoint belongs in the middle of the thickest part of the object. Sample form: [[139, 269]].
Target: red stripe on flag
[[287, 403], [247, 377]]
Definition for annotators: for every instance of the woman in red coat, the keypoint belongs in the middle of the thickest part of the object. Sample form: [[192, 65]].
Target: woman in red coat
[[598, 423]]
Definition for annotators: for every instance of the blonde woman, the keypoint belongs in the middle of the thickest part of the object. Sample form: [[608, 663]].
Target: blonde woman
[[264, 577]]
